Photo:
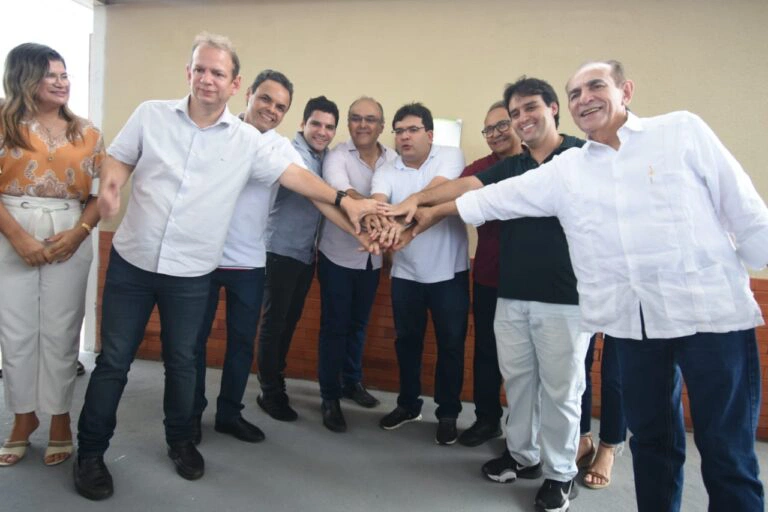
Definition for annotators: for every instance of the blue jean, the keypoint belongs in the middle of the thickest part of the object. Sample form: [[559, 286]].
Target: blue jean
[[448, 302], [722, 374], [130, 294], [613, 426], [244, 289], [346, 300], [486, 375]]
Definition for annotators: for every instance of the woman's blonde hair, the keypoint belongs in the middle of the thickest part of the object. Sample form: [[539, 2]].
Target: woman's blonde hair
[[25, 66]]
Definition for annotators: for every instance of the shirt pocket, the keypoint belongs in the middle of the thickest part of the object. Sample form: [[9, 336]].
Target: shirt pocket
[[666, 188], [703, 297], [599, 301]]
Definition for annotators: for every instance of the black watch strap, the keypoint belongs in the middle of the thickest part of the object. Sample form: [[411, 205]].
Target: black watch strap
[[339, 195]]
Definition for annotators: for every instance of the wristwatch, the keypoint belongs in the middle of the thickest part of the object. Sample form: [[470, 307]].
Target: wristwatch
[[340, 194]]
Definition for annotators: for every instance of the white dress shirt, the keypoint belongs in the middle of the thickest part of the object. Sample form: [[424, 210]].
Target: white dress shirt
[[186, 180], [664, 223], [244, 246], [440, 252], [343, 169]]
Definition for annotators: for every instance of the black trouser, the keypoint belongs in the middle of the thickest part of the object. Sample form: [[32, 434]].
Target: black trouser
[[287, 284], [486, 374]]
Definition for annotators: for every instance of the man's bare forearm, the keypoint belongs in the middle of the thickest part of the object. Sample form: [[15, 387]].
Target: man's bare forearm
[[448, 191], [335, 215]]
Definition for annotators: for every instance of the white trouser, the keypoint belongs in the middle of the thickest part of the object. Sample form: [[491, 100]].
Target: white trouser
[[41, 310], [541, 352]]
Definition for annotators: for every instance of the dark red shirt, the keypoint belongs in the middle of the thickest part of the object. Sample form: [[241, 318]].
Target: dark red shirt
[[485, 269]]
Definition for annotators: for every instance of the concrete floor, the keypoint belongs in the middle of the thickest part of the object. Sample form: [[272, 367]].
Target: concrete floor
[[301, 466]]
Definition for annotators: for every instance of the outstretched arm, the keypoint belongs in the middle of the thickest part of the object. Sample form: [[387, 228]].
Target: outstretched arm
[[313, 187], [432, 195]]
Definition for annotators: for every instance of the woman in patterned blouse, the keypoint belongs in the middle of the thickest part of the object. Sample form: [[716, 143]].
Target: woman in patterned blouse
[[49, 164]]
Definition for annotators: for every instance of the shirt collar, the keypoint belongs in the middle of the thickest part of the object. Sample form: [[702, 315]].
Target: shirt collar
[[350, 146], [225, 118], [302, 142], [568, 142], [632, 124], [399, 164]]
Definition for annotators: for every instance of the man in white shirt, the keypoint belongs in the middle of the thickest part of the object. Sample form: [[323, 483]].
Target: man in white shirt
[[189, 160], [430, 274], [660, 220], [348, 278], [539, 340]]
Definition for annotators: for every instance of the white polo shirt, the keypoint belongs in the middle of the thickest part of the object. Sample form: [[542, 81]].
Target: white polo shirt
[[441, 251], [185, 184], [665, 223], [343, 169], [244, 246]]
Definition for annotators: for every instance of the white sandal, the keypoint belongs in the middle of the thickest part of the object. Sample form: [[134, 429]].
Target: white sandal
[[55, 448], [14, 448]]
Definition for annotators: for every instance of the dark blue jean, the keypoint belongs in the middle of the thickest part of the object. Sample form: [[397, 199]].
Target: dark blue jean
[[287, 283], [244, 290], [448, 303], [722, 375], [613, 426], [486, 375], [346, 300], [129, 297]]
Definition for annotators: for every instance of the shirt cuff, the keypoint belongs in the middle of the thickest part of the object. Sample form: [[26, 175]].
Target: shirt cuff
[[469, 209]]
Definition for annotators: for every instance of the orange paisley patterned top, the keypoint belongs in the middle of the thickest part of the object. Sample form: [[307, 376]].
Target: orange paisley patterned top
[[55, 168]]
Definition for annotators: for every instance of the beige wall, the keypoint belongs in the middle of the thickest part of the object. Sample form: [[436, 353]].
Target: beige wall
[[455, 56]]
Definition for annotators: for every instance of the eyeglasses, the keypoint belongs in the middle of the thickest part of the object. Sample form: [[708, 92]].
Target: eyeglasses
[[410, 129], [501, 127], [356, 119], [53, 77]]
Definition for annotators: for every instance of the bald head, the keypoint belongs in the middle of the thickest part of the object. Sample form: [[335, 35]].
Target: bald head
[[365, 122]]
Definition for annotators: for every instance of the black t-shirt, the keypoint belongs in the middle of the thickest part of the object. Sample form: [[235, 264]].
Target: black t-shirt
[[534, 263]]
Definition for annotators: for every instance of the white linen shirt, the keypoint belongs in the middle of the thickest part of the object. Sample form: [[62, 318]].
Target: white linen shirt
[[441, 251], [663, 223], [186, 180], [244, 246], [343, 169]]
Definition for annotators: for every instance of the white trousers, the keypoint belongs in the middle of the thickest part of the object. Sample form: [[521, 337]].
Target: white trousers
[[541, 352], [41, 311]]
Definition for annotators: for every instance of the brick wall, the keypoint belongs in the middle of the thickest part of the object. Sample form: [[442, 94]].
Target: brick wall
[[379, 363]]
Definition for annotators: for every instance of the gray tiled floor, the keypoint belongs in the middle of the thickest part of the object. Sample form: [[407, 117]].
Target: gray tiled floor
[[301, 466]]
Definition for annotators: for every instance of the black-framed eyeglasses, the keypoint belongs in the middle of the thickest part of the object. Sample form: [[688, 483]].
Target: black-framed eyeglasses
[[409, 129], [502, 127], [356, 119]]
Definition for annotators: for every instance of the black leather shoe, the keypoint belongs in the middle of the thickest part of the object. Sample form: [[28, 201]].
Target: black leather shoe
[[241, 429], [360, 395], [189, 462], [92, 478], [277, 407], [480, 432], [333, 419], [198, 429]]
